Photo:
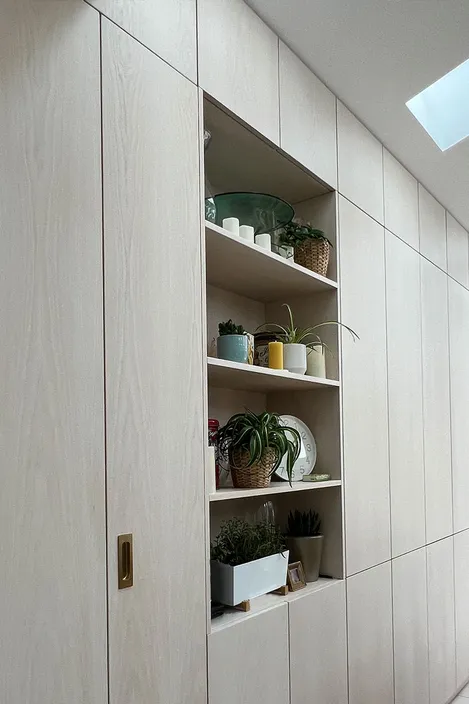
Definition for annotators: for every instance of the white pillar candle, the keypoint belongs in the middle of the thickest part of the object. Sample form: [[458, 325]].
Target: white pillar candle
[[264, 241], [232, 225], [246, 232]]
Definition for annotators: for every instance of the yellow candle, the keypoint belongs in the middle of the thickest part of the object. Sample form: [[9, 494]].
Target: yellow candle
[[276, 355]]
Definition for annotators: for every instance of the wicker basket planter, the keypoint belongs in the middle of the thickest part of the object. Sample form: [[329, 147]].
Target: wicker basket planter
[[258, 475], [314, 255]]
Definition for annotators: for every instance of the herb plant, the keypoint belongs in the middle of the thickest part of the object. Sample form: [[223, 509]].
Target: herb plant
[[239, 541], [302, 524], [295, 234], [229, 328]]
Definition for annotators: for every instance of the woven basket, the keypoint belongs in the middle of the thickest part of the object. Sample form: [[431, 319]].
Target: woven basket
[[314, 255], [257, 476]]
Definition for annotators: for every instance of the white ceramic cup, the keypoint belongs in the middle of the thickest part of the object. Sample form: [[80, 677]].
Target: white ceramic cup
[[246, 232], [264, 240], [232, 225]]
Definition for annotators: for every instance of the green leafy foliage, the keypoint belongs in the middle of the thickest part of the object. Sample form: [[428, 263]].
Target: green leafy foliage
[[296, 233], [230, 328], [303, 524], [239, 541], [256, 433]]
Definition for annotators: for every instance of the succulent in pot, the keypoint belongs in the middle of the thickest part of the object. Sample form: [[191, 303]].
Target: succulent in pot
[[234, 343], [311, 246], [305, 541], [254, 445]]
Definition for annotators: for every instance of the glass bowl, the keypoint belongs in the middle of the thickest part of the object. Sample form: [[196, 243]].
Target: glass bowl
[[263, 212]]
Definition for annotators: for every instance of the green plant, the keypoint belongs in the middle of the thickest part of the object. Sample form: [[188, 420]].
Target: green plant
[[229, 328], [291, 334], [296, 233], [239, 541], [256, 433], [303, 524]]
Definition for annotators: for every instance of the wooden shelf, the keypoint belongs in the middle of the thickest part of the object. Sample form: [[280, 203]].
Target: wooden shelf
[[269, 601], [236, 265], [247, 377], [230, 494]]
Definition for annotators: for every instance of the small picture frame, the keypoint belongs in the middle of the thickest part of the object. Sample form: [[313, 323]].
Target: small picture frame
[[296, 576]]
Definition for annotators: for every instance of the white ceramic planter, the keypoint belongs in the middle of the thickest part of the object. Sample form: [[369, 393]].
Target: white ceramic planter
[[232, 585], [294, 358], [316, 362]]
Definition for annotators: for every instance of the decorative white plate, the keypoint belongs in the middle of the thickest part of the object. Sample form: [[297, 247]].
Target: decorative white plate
[[304, 465]]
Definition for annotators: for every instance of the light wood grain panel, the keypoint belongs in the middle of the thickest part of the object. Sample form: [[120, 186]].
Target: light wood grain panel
[[457, 242], [401, 204], [432, 221], [360, 159], [436, 403], [409, 580], [325, 674], [167, 27], [248, 661], [52, 589], [461, 591], [407, 476], [441, 630], [238, 63], [365, 414], [156, 432], [459, 373], [307, 117], [370, 654]]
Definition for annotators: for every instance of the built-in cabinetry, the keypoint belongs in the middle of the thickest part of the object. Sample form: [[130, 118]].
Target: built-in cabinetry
[[461, 611]]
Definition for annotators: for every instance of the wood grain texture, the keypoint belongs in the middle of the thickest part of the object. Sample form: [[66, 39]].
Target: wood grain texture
[[319, 614], [360, 159], [404, 336], [409, 578], [401, 202], [432, 221], [167, 27], [370, 636], [436, 403], [52, 590], [441, 630], [238, 63], [364, 396], [461, 590], [154, 375], [457, 242], [248, 661], [307, 117]]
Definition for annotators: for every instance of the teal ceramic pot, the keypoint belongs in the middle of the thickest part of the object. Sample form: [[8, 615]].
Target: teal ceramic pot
[[234, 348]]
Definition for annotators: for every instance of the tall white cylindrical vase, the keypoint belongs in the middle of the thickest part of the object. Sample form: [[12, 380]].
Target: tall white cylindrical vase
[[294, 358], [316, 362]]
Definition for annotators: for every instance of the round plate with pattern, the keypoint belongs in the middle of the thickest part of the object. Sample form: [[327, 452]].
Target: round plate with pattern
[[304, 465]]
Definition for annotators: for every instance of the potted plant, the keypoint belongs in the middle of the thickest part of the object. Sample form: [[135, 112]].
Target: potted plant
[[233, 342], [304, 540], [311, 246], [247, 560], [254, 446]]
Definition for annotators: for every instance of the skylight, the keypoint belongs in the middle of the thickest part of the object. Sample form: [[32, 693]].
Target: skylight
[[443, 108]]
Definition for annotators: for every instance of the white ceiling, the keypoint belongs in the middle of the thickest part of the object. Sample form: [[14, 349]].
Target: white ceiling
[[375, 55]]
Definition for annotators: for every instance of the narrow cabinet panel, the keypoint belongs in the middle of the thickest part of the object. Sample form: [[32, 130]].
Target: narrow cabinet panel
[[457, 240], [432, 228], [53, 552], [370, 654], [461, 592], [401, 201], [248, 662], [405, 396], [155, 431], [319, 618], [436, 402], [441, 630], [409, 580], [365, 413]]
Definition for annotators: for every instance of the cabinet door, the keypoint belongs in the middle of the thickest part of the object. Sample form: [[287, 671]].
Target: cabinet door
[[238, 63], [436, 403], [401, 201], [409, 579], [248, 662], [459, 372], [432, 228], [370, 636], [461, 591], [307, 117], [167, 27], [53, 553], [153, 375], [457, 241], [318, 666], [441, 631], [365, 412], [405, 396]]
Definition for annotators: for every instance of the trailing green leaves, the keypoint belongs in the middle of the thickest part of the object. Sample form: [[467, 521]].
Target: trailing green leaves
[[239, 541]]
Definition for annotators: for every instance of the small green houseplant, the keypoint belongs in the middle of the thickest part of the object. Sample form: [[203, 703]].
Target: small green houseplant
[[305, 541], [311, 246], [254, 445], [247, 560], [233, 343]]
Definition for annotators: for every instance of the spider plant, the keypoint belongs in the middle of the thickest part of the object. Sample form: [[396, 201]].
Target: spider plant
[[256, 433]]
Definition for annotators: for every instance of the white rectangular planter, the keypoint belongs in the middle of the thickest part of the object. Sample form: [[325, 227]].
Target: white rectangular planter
[[232, 585]]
